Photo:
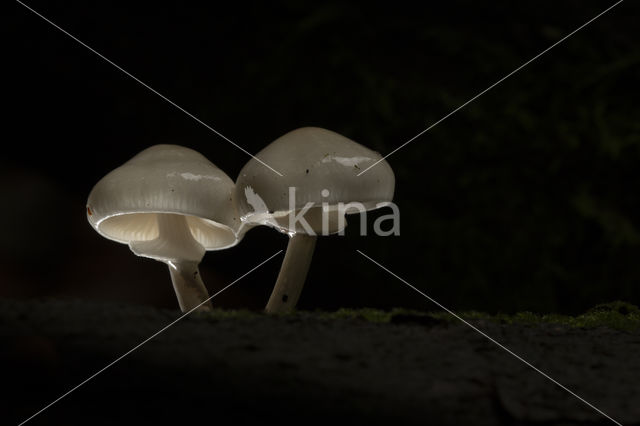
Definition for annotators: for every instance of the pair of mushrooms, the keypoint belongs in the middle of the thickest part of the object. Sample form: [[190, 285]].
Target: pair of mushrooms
[[171, 204]]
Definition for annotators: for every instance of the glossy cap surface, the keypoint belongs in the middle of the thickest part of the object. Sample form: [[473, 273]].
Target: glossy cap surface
[[322, 166], [123, 206]]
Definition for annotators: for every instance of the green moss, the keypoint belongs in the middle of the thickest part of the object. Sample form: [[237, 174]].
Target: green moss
[[227, 314], [616, 315], [367, 314]]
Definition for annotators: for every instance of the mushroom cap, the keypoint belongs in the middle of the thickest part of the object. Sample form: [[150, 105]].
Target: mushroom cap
[[123, 206], [311, 159]]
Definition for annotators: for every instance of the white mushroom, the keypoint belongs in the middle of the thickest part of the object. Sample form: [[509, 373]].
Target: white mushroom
[[320, 168], [171, 204]]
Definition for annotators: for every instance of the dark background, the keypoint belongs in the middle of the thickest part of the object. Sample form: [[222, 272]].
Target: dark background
[[527, 199]]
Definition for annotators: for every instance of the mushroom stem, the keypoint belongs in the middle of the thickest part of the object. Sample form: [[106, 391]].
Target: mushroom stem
[[190, 289], [176, 247], [293, 273]]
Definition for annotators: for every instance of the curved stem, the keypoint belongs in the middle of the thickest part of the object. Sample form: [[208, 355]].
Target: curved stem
[[293, 273], [188, 285]]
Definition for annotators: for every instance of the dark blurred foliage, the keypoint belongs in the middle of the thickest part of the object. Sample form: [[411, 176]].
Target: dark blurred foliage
[[526, 199]]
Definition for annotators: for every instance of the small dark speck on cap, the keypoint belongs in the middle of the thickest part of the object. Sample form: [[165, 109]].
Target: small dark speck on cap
[[307, 171], [285, 298], [89, 212]]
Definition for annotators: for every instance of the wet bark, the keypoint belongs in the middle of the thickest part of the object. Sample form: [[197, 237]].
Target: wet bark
[[304, 369]]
